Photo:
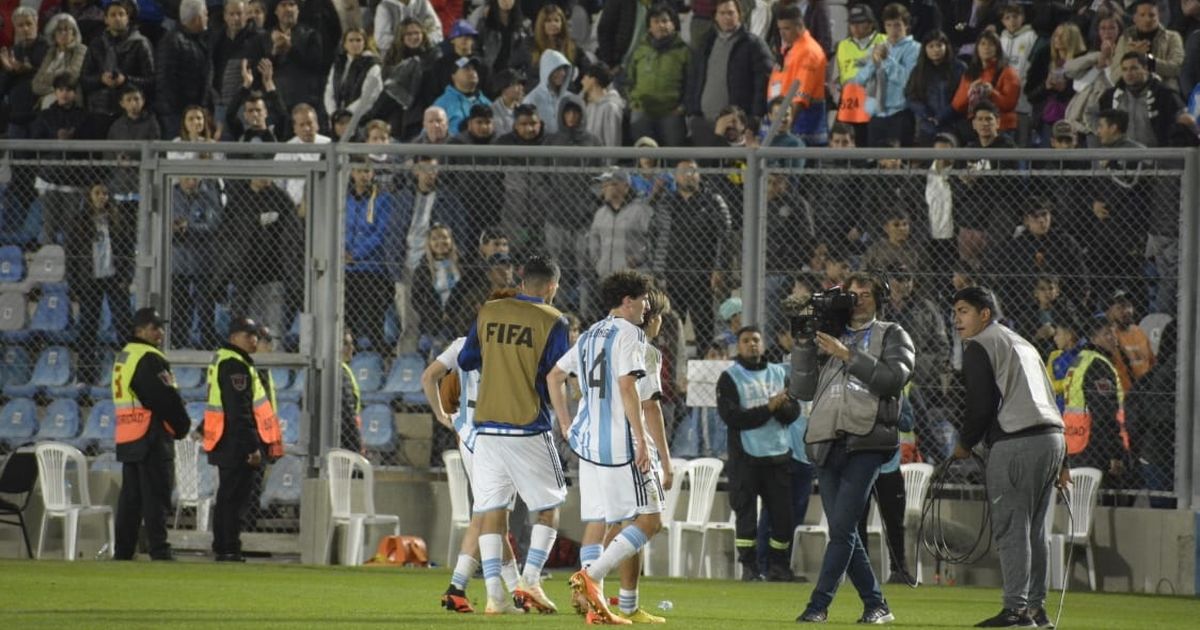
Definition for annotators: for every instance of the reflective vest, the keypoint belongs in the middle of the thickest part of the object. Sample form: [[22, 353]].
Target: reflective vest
[[1077, 418], [264, 413], [852, 107], [133, 419]]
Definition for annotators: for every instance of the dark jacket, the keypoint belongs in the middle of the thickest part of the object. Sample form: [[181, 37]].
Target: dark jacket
[[73, 123], [750, 63], [738, 418], [184, 72], [615, 31], [573, 203], [18, 88], [227, 56], [279, 126], [1020, 260], [692, 234], [153, 384], [240, 436], [1162, 102], [503, 46], [298, 72], [257, 254], [127, 54]]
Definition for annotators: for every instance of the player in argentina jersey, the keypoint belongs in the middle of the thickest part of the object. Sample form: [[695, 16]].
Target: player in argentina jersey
[[608, 432], [451, 393]]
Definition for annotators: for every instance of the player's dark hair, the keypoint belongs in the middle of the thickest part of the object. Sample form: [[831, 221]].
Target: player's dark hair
[[622, 284], [540, 271]]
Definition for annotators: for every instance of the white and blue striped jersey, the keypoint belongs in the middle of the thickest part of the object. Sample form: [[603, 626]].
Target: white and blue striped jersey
[[610, 349], [464, 418]]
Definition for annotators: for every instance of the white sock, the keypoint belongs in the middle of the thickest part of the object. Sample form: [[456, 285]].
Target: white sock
[[463, 571], [540, 542], [589, 554], [628, 601], [490, 553], [508, 573], [628, 542]]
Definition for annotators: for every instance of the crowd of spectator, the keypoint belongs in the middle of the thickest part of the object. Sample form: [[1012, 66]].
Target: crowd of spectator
[[427, 239]]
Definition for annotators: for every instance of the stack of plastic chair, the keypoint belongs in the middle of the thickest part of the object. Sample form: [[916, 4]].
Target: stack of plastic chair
[[703, 475], [725, 528], [1085, 490], [917, 477], [679, 468], [53, 458], [188, 460], [341, 466], [460, 501]]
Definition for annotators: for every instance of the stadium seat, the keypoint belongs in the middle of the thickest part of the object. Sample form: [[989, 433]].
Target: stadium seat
[[195, 412], [679, 469], [188, 462], [702, 477], [1085, 489], [53, 459], [289, 423], [101, 389], [60, 422], [341, 466], [460, 501], [191, 383], [51, 319], [368, 371], [18, 478], [281, 377], [295, 391], [100, 429], [47, 265], [378, 428], [917, 477], [53, 369], [15, 366], [18, 422], [285, 479], [14, 311], [403, 382], [12, 265]]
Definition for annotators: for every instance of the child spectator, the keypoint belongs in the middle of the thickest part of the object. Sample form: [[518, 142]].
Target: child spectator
[[1019, 41], [885, 73]]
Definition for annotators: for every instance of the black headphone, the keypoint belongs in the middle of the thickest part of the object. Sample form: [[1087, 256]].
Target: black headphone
[[882, 290]]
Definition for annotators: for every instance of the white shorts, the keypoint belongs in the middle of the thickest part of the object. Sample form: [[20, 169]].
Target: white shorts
[[527, 465], [468, 460], [613, 494]]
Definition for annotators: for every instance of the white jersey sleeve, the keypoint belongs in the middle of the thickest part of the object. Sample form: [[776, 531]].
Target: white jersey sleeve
[[650, 386], [569, 361], [449, 356], [629, 352]]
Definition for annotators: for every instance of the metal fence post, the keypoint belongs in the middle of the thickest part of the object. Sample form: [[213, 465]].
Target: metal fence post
[[325, 303], [150, 256], [1187, 447], [754, 242]]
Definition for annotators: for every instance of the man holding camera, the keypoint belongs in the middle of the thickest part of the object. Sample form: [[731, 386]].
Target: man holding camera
[[854, 380]]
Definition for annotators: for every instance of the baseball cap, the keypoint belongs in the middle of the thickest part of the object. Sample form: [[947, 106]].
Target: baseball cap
[[499, 258], [462, 28], [265, 334], [243, 325], [463, 62], [146, 316], [613, 174], [479, 110], [860, 13], [1063, 129], [729, 308], [1120, 295]]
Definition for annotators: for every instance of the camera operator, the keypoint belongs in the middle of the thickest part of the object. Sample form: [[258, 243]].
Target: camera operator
[[854, 380]]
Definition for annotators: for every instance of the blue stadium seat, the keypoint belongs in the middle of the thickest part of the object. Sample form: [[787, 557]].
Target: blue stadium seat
[[191, 383], [285, 479], [12, 264], [100, 428], [53, 369], [195, 412], [403, 381], [289, 423], [18, 422], [60, 423], [368, 371], [14, 313], [295, 391], [378, 428], [51, 319], [282, 378], [15, 366], [102, 388]]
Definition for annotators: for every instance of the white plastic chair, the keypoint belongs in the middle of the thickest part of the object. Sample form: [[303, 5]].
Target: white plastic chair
[[703, 475], [917, 477], [52, 459], [679, 469], [820, 528], [341, 464], [1085, 488], [187, 483], [460, 501], [722, 528]]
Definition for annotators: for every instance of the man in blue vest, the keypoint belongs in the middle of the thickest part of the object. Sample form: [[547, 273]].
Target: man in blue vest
[[752, 400]]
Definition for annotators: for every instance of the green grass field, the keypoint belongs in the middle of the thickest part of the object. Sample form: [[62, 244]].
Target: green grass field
[[87, 595]]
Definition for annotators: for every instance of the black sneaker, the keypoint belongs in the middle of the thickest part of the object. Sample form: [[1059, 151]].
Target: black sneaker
[[1008, 618], [750, 573], [779, 573], [1040, 617], [902, 576], [813, 616], [878, 615]]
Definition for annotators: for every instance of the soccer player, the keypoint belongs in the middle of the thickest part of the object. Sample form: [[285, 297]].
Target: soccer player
[[514, 344], [461, 391], [609, 434]]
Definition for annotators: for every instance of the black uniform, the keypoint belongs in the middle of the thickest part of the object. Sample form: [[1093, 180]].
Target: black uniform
[[148, 471], [751, 477], [239, 439]]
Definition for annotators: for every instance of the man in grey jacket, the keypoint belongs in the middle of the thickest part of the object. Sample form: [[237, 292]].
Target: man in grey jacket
[[1011, 408], [619, 237], [854, 382]]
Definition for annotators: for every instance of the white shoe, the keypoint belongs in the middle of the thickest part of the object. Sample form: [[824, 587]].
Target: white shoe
[[534, 596], [504, 607]]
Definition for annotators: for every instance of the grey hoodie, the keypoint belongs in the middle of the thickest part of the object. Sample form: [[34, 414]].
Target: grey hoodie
[[542, 97], [604, 117]]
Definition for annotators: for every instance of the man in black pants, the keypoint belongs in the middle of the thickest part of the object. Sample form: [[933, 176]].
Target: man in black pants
[[238, 413], [752, 399], [149, 414]]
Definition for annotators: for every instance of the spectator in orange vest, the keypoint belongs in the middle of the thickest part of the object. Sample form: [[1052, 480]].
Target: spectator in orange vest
[[803, 65], [1134, 352]]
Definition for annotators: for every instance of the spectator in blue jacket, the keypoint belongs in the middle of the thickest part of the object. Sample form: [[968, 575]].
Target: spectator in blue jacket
[[885, 74], [462, 93], [370, 287]]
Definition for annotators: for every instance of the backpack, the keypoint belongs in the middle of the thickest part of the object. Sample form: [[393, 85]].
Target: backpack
[[401, 551]]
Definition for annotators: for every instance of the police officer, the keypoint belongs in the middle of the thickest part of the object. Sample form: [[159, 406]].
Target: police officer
[[855, 381], [1094, 413], [240, 428], [1010, 407], [752, 400], [149, 414]]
